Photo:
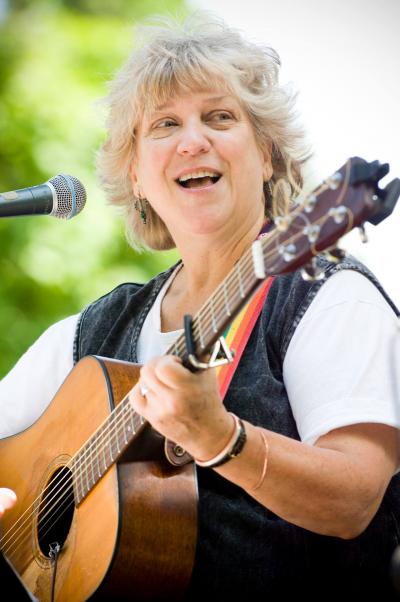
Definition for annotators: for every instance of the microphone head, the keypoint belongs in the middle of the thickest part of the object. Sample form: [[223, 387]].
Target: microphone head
[[69, 196]]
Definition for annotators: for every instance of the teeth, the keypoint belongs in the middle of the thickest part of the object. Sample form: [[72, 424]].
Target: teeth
[[198, 174]]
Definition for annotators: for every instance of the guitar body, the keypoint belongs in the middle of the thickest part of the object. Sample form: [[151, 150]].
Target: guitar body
[[133, 536]]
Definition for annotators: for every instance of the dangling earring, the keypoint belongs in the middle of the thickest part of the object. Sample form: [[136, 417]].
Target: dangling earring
[[268, 199], [141, 206], [270, 191]]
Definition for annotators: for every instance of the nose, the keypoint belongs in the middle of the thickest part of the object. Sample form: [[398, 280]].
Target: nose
[[193, 140]]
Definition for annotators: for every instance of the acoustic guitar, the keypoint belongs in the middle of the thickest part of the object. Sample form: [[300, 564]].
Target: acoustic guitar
[[107, 509]]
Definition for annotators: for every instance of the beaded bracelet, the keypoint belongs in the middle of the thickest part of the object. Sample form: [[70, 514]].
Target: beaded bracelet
[[231, 449]]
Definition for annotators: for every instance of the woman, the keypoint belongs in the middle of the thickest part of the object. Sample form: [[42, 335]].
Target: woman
[[302, 488]]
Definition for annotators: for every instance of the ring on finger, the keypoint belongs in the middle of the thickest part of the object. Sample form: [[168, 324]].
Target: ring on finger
[[143, 390]]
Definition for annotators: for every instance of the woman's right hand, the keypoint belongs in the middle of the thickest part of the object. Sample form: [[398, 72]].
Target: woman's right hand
[[7, 499]]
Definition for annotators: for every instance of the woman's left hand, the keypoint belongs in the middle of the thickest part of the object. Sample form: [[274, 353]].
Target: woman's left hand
[[183, 406]]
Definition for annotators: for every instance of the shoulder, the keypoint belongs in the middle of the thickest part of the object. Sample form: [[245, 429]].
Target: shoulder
[[107, 322], [118, 297], [340, 364], [293, 298], [129, 292], [350, 287], [29, 387]]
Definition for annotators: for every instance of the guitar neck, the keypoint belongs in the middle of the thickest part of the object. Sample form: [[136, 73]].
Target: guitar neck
[[221, 308], [104, 448], [343, 201], [123, 425]]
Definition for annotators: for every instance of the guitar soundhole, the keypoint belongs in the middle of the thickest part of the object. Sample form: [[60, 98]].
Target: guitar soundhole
[[56, 511]]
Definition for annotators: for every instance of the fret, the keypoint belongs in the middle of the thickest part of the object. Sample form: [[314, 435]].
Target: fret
[[127, 426], [174, 349], [117, 429], [100, 455], [228, 311], [97, 454], [103, 449], [239, 274], [92, 454], [123, 439], [81, 476], [77, 481], [211, 304], [200, 329], [130, 424], [84, 472], [110, 449], [93, 460], [132, 417]]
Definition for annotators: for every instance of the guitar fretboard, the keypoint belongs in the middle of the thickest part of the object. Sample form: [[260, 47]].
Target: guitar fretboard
[[216, 314], [101, 451]]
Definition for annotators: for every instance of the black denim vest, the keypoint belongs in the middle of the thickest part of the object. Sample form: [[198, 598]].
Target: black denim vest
[[244, 550]]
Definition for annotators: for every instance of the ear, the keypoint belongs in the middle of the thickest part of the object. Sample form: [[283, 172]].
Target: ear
[[267, 161], [134, 180], [267, 171]]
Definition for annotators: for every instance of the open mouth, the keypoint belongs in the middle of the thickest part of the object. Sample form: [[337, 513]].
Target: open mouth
[[198, 180]]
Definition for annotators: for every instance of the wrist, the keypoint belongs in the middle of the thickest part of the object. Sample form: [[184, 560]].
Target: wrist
[[232, 448]]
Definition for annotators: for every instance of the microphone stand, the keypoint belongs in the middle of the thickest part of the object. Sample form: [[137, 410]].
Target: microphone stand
[[395, 560]]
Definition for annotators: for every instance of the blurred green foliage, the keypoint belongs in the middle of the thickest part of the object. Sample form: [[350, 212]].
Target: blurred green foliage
[[55, 59]]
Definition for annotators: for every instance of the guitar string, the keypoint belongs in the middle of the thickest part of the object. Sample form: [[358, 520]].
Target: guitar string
[[67, 487], [94, 439], [57, 508], [274, 235], [221, 291], [82, 460], [87, 450], [85, 455]]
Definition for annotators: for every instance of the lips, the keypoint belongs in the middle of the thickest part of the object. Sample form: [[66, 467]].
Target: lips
[[200, 182], [198, 178]]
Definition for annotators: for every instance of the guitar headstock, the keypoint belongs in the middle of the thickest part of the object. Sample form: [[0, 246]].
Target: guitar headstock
[[345, 200]]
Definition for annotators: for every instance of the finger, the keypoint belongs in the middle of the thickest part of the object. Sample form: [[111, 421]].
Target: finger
[[136, 398], [7, 498], [166, 371]]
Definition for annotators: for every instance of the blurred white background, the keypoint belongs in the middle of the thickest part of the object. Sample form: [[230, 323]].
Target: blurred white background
[[343, 57]]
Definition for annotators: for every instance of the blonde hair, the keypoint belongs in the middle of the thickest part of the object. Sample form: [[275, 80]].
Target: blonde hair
[[201, 52]]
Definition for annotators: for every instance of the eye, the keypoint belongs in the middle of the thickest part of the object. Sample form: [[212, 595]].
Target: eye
[[165, 123], [221, 117]]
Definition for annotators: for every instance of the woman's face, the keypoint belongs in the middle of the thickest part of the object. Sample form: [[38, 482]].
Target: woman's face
[[199, 165]]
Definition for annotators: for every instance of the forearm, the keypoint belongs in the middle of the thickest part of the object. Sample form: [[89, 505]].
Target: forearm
[[318, 489]]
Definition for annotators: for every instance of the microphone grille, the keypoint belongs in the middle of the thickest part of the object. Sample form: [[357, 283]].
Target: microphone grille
[[69, 196]]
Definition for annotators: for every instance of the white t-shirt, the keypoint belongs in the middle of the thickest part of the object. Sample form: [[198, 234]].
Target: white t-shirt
[[338, 369]]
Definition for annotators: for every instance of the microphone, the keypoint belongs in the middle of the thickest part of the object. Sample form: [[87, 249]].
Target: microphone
[[62, 196]]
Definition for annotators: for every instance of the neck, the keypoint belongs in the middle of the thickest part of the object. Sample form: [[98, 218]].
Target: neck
[[207, 261]]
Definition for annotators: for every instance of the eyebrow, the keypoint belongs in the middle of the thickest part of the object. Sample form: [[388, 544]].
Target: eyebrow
[[213, 99]]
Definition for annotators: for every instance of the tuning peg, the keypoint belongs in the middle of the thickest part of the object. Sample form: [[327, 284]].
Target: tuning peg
[[311, 271], [282, 222], [334, 255], [334, 180]]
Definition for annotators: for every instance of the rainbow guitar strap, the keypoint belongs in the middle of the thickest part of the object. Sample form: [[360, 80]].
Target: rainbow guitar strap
[[238, 332]]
